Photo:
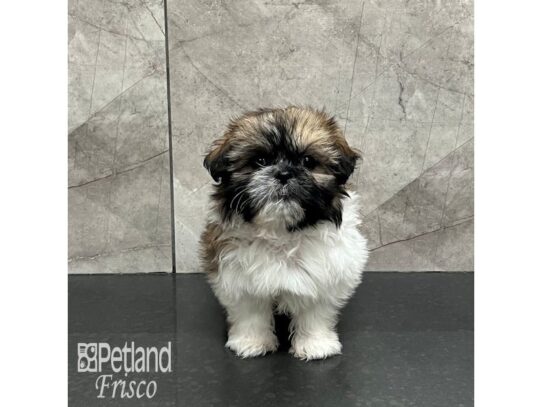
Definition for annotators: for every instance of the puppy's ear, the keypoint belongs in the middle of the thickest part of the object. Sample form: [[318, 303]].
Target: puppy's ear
[[216, 161], [347, 161]]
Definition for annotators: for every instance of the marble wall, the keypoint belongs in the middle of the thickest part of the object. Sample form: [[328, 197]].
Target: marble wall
[[398, 75], [118, 168]]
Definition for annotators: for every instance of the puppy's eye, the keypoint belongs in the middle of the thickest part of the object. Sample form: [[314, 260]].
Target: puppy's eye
[[309, 162], [261, 161]]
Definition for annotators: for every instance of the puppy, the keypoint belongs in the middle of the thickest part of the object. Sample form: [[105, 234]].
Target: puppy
[[282, 230]]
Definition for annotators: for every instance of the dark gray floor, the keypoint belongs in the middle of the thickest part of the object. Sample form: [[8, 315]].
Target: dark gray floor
[[408, 341]]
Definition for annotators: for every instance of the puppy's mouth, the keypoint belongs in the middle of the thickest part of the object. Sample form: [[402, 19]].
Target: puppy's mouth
[[284, 191]]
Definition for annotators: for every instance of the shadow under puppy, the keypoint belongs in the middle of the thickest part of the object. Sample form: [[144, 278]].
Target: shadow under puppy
[[282, 232]]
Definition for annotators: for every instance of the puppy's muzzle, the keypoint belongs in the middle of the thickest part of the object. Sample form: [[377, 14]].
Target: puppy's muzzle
[[284, 172]]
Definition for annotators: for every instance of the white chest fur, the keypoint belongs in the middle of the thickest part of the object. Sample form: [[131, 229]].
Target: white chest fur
[[316, 263]]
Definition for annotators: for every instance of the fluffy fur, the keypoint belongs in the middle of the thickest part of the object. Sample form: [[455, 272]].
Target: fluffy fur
[[283, 232]]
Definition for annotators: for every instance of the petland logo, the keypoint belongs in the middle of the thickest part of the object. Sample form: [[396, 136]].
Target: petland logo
[[100, 357]]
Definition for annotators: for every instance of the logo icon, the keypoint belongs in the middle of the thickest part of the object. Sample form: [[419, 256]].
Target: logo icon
[[87, 357]]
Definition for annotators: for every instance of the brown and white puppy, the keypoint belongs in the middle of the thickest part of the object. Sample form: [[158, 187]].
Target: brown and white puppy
[[283, 232]]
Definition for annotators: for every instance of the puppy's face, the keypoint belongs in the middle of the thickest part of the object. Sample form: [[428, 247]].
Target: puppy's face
[[283, 166]]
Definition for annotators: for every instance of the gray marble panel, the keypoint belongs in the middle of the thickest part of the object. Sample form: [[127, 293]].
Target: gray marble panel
[[118, 162], [445, 249], [397, 75], [427, 225]]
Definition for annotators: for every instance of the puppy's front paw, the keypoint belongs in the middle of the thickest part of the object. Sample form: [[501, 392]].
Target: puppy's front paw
[[307, 347], [252, 346]]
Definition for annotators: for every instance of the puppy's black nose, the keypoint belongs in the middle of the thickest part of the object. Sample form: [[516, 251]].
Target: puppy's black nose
[[283, 176]]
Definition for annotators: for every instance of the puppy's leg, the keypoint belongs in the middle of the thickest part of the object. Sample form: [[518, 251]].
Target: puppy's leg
[[251, 327], [313, 326]]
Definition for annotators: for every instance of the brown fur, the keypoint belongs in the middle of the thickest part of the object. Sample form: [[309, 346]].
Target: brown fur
[[312, 129], [211, 247]]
